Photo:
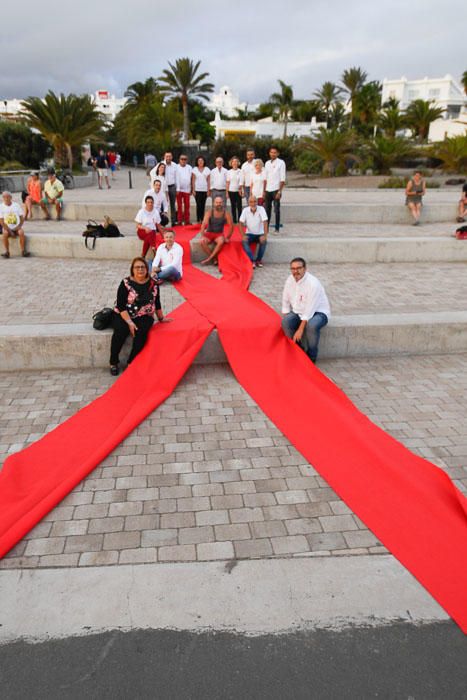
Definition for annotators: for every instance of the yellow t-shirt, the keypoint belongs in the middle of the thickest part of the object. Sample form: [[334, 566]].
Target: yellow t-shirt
[[54, 189]]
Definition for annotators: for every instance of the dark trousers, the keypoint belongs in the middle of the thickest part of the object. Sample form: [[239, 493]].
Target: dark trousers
[[310, 339], [200, 205], [172, 192], [277, 208], [121, 332], [235, 205]]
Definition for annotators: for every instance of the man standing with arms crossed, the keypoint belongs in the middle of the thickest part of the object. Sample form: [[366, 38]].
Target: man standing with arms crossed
[[274, 171], [305, 307]]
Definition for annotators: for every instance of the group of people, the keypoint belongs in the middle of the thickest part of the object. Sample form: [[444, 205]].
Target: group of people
[[104, 162], [305, 306], [173, 184]]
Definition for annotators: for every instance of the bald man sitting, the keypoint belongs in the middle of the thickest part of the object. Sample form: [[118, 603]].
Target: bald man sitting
[[212, 230]]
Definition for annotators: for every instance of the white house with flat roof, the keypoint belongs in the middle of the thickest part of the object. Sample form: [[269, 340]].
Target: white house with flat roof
[[266, 128], [228, 103], [445, 92]]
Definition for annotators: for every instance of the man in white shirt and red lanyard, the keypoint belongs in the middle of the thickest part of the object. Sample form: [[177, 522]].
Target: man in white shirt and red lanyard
[[167, 264], [305, 307], [183, 183], [254, 229], [274, 171]]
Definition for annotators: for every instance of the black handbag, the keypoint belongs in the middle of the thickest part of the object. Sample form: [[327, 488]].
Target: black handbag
[[94, 230], [102, 319]]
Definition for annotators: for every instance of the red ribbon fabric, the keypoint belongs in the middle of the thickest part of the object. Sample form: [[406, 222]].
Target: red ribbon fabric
[[410, 504]]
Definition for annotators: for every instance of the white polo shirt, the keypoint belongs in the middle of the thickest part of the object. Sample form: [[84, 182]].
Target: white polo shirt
[[169, 258], [275, 174], [148, 219], [257, 184], [170, 173], [236, 179], [183, 178], [305, 297], [254, 220], [201, 179], [160, 200], [248, 169], [218, 178]]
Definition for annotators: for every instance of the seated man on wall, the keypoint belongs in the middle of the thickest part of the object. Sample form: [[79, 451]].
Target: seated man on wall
[[462, 206], [305, 307], [254, 229], [212, 230], [11, 223], [167, 264], [53, 194], [148, 226]]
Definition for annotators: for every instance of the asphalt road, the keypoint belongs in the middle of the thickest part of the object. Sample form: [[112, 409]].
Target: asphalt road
[[395, 661]]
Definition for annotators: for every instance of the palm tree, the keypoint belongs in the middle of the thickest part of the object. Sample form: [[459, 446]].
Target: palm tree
[[387, 152], [333, 147], [353, 80], [366, 106], [183, 82], [65, 121], [452, 152], [139, 92], [327, 95], [390, 118], [283, 102], [419, 115]]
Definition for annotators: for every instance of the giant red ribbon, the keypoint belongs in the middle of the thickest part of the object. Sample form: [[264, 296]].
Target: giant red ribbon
[[410, 504]]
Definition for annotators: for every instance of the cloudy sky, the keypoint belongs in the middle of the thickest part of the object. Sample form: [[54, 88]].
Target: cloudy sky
[[83, 45]]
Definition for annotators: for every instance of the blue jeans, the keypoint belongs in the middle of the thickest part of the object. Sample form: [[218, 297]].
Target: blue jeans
[[310, 339], [170, 273], [260, 248]]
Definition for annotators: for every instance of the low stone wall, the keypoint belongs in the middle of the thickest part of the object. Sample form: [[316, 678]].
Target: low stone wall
[[17, 183]]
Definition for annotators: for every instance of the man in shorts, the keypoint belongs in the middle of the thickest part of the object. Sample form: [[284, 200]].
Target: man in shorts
[[102, 165], [212, 230], [53, 194], [11, 222]]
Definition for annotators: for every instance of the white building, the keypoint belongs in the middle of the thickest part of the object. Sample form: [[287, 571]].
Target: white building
[[444, 92], [227, 102], [266, 128], [108, 104]]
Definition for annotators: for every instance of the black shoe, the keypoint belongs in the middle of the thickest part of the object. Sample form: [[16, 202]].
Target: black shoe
[[114, 370], [5, 255], [25, 254]]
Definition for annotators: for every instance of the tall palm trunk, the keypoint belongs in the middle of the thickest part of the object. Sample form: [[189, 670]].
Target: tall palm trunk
[[186, 123]]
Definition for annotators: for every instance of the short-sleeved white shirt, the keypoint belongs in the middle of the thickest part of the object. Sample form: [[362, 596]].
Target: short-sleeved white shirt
[[201, 179], [257, 184], [11, 215], [236, 179], [275, 174], [254, 220], [183, 178], [218, 178], [148, 219]]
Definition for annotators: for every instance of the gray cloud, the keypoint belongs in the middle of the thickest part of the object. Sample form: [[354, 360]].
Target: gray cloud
[[88, 45]]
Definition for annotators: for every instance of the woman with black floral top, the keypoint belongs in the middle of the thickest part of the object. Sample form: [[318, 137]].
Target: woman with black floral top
[[137, 302]]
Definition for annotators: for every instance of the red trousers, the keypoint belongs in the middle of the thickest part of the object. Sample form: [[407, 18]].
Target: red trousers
[[153, 239], [183, 207]]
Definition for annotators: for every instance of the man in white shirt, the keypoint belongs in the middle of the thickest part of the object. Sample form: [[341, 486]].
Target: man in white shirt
[[160, 201], [148, 225], [11, 223], [254, 229], [183, 186], [305, 307], [218, 181], [167, 264], [170, 177], [274, 171], [248, 169]]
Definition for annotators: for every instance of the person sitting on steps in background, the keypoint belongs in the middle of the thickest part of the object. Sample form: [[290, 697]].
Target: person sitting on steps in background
[[11, 223], [414, 192], [53, 194]]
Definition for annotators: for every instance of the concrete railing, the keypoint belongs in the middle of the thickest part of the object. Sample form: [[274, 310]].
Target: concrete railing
[[56, 346], [280, 248]]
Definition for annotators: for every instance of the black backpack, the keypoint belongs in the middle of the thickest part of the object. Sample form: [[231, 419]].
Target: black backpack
[[94, 230]]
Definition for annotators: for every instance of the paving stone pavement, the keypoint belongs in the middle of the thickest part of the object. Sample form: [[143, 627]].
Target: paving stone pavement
[[67, 291], [207, 476]]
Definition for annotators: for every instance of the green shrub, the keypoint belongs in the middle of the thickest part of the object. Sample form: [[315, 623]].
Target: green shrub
[[20, 145], [307, 163]]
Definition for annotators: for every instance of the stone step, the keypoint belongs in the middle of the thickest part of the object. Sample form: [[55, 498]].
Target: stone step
[[56, 346], [322, 212], [326, 249]]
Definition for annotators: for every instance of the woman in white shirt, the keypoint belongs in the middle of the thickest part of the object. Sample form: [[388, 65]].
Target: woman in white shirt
[[160, 175], [200, 185], [234, 188], [258, 181]]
